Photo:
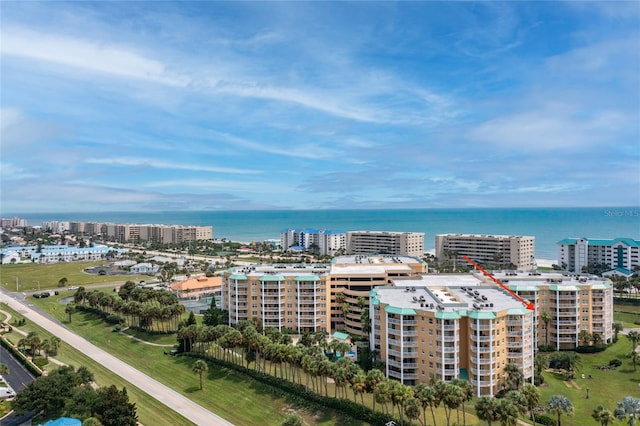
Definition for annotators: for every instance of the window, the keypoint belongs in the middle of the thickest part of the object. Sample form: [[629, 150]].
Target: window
[[430, 332], [431, 365], [430, 354], [585, 310]]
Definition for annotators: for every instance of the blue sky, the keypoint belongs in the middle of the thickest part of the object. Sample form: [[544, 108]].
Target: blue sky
[[128, 106]]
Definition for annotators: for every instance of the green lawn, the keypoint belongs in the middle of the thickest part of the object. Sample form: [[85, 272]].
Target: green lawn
[[628, 315], [240, 400], [606, 388], [150, 411], [48, 276]]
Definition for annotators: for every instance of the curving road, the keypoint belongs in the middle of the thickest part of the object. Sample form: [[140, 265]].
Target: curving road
[[157, 390]]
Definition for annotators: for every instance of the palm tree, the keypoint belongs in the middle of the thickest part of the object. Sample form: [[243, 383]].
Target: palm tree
[[546, 318], [628, 406], [412, 409], [559, 405], [513, 377], [33, 341], [487, 409], [426, 395], [531, 395], [634, 336], [359, 386], [507, 413], [374, 377], [452, 398], [200, 367], [400, 394], [617, 328], [602, 415], [382, 394], [467, 395], [70, 309], [585, 337]]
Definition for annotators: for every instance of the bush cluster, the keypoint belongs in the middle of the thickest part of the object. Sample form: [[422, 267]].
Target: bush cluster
[[545, 420], [591, 349]]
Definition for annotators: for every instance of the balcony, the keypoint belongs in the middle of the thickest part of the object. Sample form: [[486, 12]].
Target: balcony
[[480, 371], [405, 376], [403, 355], [481, 338], [447, 327], [404, 321], [399, 364], [481, 349], [516, 323], [448, 349], [448, 337], [481, 327]]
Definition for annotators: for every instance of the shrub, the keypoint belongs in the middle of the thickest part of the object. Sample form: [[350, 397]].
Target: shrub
[[547, 348], [113, 319], [591, 349], [545, 420], [615, 363]]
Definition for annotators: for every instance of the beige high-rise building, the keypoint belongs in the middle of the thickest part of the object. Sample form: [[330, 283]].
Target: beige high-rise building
[[286, 297], [446, 332], [575, 303], [353, 278], [382, 242], [518, 251]]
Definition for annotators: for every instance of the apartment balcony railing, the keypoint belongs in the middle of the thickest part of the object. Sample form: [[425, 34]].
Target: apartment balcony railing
[[403, 355], [481, 349], [476, 338], [404, 321], [477, 327], [447, 326], [406, 376], [399, 364]]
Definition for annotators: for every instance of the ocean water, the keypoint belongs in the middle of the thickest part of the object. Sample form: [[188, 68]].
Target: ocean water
[[547, 225]]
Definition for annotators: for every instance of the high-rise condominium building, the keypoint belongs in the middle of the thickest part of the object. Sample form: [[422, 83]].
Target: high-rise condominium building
[[573, 304], [449, 331], [576, 254], [291, 297], [382, 242], [494, 249]]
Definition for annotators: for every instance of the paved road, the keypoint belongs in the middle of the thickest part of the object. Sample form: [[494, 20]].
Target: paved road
[[157, 390]]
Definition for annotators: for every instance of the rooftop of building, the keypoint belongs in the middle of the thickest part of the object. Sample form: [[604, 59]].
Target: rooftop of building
[[374, 259], [555, 278], [386, 232], [602, 242], [485, 236], [448, 301], [197, 283], [281, 269]]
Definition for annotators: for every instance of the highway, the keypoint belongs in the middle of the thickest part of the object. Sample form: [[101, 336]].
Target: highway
[[155, 389]]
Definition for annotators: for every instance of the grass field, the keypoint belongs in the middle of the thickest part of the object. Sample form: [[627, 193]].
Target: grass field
[[31, 275], [628, 315], [240, 400], [150, 411], [606, 388]]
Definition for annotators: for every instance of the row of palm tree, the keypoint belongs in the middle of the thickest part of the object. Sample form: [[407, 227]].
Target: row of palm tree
[[149, 310], [308, 365]]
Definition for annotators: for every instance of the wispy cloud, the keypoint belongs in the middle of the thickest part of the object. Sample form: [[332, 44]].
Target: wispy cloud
[[166, 165]]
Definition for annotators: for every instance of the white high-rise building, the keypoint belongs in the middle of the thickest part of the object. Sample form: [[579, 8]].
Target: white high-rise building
[[382, 242], [576, 254], [495, 249]]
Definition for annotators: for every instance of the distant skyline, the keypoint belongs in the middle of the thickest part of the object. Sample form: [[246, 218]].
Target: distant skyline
[[128, 106]]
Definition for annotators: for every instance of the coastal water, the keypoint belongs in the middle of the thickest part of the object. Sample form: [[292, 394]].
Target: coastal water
[[547, 225]]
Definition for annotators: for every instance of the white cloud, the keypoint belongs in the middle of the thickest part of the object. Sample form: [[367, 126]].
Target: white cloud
[[90, 55], [158, 164]]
